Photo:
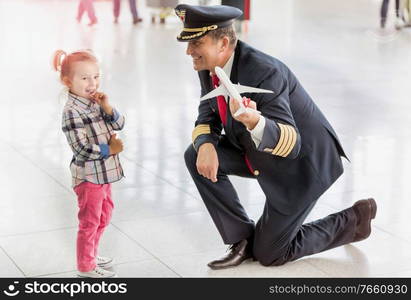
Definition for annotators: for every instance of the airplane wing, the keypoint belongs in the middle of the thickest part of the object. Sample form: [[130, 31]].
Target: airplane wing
[[221, 90], [248, 89]]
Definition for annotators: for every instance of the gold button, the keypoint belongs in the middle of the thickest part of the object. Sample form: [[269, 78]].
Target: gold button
[[256, 172]]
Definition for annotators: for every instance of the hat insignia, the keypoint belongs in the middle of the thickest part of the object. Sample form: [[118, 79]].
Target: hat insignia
[[181, 14]]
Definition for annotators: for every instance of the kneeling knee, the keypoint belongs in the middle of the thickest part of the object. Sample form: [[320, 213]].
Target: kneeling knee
[[261, 257], [269, 261], [269, 258], [278, 262], [190, 156], [264, 262]]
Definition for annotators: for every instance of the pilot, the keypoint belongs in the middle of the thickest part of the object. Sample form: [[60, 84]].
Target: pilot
[[290, 149]]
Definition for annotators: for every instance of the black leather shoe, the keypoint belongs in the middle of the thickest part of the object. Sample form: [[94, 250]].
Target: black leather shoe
[[365, 210], [239, 252]]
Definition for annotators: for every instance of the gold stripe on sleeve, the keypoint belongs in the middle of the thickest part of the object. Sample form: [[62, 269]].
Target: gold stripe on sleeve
[[199, 130], [286, 140], [281, 139], [292, 142], [287, 143]]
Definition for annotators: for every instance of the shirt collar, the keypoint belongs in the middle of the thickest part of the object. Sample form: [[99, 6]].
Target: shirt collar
[[80, 101], [229, 65]]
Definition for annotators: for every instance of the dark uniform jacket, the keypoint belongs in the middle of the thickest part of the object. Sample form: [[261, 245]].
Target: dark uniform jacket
[[299, 156]]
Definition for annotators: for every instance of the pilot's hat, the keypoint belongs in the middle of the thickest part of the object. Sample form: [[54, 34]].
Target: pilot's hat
[[200, 20]]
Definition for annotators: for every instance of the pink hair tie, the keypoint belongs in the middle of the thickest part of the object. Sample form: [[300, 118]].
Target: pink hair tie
[[60, 61]]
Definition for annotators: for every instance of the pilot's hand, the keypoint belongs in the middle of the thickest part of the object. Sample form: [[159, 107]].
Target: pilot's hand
[[207, 161], [248, 118]]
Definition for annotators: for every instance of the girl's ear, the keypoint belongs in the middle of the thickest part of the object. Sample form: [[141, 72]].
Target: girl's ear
[[66, 81]]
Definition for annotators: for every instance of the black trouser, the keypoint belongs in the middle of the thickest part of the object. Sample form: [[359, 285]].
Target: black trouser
[[276, 238]]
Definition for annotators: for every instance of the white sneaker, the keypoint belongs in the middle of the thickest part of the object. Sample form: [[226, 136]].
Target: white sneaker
[[97, 273], [399, 23], [104, 262]]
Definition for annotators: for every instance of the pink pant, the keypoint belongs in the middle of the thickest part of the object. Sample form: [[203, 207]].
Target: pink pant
[[86, 5], [95, 208]]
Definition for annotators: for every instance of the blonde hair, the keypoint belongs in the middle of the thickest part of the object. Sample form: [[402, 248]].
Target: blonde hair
[[63, 62]]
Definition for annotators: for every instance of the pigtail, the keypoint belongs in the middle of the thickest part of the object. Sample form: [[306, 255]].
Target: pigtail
[[58, 59]]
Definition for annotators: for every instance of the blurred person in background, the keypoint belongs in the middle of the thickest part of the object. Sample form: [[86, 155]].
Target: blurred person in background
[[399, 21], [161, 9], [133, 10], [87, 5]]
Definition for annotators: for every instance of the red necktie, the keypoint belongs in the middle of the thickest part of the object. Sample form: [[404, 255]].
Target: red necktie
[[222, 109], [222, 105]]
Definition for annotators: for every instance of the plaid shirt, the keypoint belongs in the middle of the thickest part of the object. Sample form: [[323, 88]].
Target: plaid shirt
[[88, 129]]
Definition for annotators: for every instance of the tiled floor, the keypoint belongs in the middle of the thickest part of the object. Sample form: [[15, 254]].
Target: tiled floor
[[358, 75]]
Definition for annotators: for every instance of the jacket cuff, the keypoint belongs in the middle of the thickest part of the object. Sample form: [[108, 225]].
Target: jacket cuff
[[202, 139]]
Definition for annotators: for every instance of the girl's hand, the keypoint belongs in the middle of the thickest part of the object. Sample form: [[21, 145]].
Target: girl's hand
[[102, 100], [115, 144], [99, 97]]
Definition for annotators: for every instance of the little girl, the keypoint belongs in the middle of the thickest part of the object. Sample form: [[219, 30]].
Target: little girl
[[89, 122]]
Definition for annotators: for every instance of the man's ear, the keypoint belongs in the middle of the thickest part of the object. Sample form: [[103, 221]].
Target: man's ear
[[225, 43], [66, 81]]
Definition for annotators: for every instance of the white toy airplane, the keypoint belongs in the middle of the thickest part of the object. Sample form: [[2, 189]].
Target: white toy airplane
[[233, 90]]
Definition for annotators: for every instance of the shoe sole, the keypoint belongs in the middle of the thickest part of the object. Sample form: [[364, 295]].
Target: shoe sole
[[106, 265], [372, 204], [227, 267], [81, 276]]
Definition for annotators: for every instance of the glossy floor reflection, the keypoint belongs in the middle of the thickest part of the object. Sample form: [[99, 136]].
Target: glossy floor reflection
[[357, 74]]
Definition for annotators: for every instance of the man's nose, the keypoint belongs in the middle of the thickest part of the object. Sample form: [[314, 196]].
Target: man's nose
[[189, 49]]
